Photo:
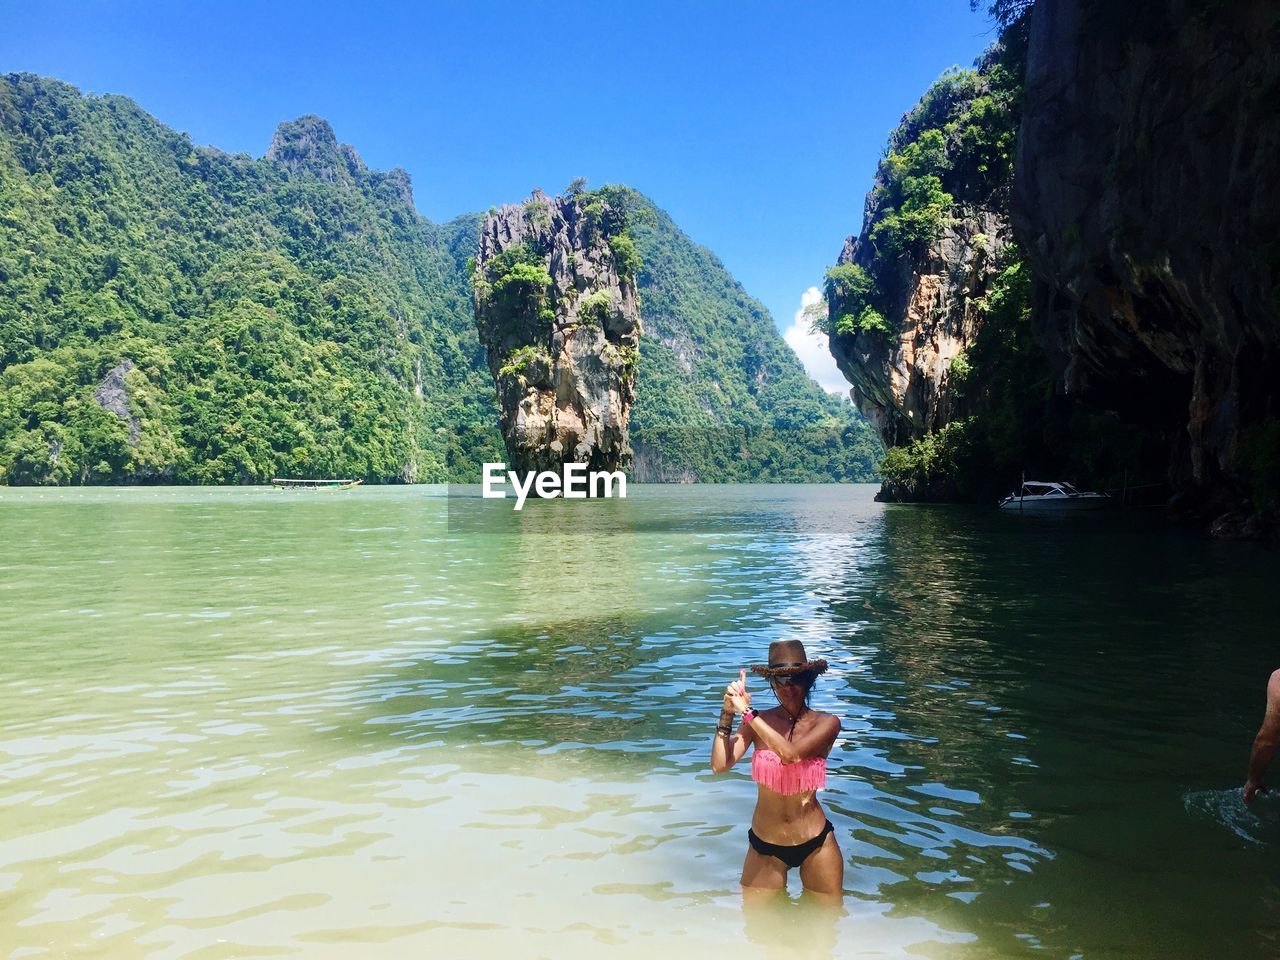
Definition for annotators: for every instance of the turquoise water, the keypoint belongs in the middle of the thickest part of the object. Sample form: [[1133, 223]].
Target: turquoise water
[[250, 723]]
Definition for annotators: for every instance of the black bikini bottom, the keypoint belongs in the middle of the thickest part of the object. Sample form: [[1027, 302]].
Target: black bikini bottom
[[792, 856]]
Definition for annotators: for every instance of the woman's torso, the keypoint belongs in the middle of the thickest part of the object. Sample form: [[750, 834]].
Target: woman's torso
[[787, 819]]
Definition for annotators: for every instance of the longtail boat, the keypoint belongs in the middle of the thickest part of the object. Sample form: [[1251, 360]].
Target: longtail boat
[[284, 483]]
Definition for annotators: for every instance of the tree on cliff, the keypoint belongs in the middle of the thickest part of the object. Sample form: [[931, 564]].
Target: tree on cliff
[[1003, 12]]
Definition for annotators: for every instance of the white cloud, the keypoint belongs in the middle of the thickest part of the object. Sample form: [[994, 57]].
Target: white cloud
[[811, 347]]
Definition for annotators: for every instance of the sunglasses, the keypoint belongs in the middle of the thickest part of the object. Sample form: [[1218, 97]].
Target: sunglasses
[[786, 681]]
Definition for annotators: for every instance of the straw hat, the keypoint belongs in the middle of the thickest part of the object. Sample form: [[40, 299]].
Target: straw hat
[[787, 659]]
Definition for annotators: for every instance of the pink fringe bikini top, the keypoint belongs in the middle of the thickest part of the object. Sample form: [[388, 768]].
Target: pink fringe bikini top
[[788, 778]]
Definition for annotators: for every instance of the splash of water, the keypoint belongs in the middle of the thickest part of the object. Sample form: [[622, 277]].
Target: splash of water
[[1257, 823]]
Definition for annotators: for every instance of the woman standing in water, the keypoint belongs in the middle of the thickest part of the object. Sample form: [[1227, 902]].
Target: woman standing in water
[[789, 828]]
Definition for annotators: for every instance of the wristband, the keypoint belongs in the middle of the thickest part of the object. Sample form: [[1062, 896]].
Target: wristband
[[748, 717]]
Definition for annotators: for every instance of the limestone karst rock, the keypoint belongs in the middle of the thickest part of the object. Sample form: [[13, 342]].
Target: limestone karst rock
[[903, 382], [1147, 198], [112, 395], [308, 145], [559, 317], [294, 315], [905, 298], [1141, 211]]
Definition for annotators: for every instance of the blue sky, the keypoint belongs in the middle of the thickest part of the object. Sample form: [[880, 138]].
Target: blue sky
[[756, 125]]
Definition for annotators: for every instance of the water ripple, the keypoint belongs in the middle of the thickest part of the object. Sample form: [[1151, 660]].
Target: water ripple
[[236, 724]]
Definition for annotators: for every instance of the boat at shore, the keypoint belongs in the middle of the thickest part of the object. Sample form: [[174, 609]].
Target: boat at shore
[[1046, 496], [285, 483]]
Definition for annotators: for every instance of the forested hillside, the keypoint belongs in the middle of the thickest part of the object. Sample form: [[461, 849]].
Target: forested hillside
[[281, 315], [722, 396], [172, 313]]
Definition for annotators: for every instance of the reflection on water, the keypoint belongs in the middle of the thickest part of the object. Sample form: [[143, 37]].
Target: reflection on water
[[245, 723]]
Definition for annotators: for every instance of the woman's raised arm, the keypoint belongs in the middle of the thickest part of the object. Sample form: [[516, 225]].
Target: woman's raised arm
[[729, 746]]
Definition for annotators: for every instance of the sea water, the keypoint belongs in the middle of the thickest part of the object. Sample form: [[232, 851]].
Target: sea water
[[251, 723]]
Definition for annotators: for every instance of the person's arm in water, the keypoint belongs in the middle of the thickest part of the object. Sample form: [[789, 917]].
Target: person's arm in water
[[1267, 740], [729, 746], [816, 742]]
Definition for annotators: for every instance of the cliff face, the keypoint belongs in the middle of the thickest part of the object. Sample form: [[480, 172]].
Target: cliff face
[[557, 311], [1148, 201], [905, 382], [1113, 306], [909, 297]]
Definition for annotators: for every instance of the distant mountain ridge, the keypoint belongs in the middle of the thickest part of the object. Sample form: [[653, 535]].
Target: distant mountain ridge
[[294, 314]]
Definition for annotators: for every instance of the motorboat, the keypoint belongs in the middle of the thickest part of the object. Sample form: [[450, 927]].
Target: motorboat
[[1047, 496]]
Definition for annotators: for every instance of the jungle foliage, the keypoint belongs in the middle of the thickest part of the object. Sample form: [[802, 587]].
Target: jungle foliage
[[952, 153], [269, 319], [276, 323], [720, 395]]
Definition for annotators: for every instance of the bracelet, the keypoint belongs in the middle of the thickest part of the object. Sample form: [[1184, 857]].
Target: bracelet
[[748, 717]]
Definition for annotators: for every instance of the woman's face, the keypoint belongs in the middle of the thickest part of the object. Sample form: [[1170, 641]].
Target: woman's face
[[791, 695]]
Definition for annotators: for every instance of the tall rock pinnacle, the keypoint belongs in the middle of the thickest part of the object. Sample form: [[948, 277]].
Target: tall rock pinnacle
[[558, 314]]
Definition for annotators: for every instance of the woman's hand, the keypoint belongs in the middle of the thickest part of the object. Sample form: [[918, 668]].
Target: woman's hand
[[736, 697]]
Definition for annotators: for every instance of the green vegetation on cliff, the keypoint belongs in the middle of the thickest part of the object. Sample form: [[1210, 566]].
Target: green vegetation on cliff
[[855, 291], [172, 313], [291, 316], [952, 159], [721, 396], [952, 153]]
